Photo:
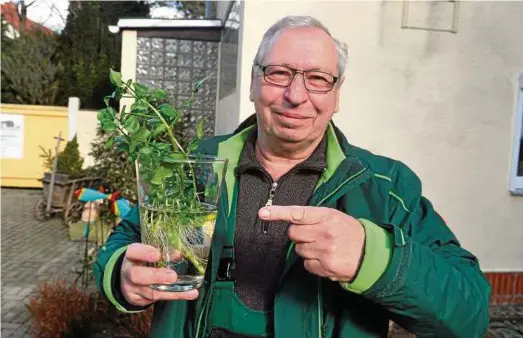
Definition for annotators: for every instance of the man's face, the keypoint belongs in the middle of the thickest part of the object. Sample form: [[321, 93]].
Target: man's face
[[293, 114]]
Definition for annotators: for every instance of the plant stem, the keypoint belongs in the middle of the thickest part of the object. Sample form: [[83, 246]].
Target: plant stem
[[121, 130], [141, 115], [187, 254]]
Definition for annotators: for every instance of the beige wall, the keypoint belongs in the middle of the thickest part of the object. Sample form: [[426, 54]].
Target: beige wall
[[443, 103], [228, 108], [227, 112], [128, 60], [86, 133]]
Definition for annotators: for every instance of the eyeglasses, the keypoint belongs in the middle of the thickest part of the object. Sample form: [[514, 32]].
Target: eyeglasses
[[314, 80]]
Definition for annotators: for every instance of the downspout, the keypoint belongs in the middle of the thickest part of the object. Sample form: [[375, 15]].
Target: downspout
[[208, 9]]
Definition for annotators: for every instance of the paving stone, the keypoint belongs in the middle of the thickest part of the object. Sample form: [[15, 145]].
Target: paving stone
[[7, 333], [32, 252], [9, 326]]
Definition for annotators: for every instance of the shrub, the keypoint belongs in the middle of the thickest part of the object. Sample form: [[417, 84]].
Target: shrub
[[70, 162], [66, 311]]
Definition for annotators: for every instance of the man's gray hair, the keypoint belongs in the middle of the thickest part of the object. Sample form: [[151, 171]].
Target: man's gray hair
[[287, 22]]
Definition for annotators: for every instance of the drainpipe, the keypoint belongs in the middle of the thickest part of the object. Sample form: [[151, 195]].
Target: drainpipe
[[208, 9]]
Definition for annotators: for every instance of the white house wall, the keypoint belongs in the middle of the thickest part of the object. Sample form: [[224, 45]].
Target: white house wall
[[443, 103]]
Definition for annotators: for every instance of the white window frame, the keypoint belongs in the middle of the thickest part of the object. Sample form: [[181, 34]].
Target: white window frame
[[516, 182]]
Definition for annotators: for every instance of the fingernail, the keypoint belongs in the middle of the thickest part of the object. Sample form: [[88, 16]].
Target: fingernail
[[171, 277], [154, 256], [264, 212]]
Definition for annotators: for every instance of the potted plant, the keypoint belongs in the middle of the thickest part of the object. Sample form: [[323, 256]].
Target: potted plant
[[178, 190]]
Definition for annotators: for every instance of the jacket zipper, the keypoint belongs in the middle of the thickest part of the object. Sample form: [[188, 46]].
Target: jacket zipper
[[265, 224]]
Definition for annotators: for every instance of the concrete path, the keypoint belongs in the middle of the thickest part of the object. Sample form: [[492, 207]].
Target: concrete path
[[32, 252]]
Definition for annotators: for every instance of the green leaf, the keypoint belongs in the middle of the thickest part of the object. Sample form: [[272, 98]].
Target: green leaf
[[108, 126], [133, 145], [116, 78], [145, 153], [120, 139], [132, 125], [106, 114], [139, 107], [199, 84], [100, 115], [111, 113], [152, 122], [192, 146], [167, 110], [107, 99], [159, 94], [109, 143], [124, 114], [199, 129], [142, 134], [173, 157], [159, 129], [140, 90], [160, 174], [163, 147], [123, 146]]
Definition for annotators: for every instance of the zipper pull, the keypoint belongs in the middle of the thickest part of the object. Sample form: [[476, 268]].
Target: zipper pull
[[265, 224], [271, 194]]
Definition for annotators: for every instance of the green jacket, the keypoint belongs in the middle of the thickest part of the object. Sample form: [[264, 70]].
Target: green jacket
[[414, 271]]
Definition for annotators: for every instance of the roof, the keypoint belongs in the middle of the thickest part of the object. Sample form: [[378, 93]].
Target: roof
[[10, 15]]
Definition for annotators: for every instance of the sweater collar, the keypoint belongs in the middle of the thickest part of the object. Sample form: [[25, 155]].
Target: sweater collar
[[248, 161]]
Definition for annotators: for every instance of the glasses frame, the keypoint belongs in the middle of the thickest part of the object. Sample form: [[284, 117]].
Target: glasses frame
[[294, 72]]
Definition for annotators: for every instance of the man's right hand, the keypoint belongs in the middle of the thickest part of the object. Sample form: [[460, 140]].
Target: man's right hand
[[136, 278]]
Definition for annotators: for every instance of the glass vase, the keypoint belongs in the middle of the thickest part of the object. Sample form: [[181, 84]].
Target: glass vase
[[178, 208]]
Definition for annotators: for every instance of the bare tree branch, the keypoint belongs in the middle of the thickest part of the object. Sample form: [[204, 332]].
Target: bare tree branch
[[56, 11]]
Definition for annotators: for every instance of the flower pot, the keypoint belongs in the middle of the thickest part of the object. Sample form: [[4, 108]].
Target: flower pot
[[178, 203]]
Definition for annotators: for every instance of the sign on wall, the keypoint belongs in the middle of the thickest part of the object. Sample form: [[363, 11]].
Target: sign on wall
[[12, 136]]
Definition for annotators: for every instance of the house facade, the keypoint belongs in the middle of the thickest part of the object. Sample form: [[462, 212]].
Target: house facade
[[437, 85]]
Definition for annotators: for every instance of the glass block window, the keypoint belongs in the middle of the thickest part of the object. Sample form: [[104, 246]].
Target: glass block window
[[229, 51], [174, 65]]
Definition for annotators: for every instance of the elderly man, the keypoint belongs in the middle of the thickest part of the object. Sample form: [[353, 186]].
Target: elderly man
[[323, 239]]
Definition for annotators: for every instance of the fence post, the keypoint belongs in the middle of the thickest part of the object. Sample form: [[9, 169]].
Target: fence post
[[73, 107]]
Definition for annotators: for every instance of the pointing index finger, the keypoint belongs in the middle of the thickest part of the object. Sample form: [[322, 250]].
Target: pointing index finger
[[293, 213]]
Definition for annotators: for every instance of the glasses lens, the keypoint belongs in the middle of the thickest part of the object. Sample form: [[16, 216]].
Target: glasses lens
[[319, 81], [278, 75], [315, 81]]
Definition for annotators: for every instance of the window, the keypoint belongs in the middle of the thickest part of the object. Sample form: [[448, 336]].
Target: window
[[516, 177]]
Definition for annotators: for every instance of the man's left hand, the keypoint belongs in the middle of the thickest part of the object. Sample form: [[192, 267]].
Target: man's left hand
[[329, 241]]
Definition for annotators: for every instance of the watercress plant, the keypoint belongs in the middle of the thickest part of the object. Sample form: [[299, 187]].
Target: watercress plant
[[172, 196]]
